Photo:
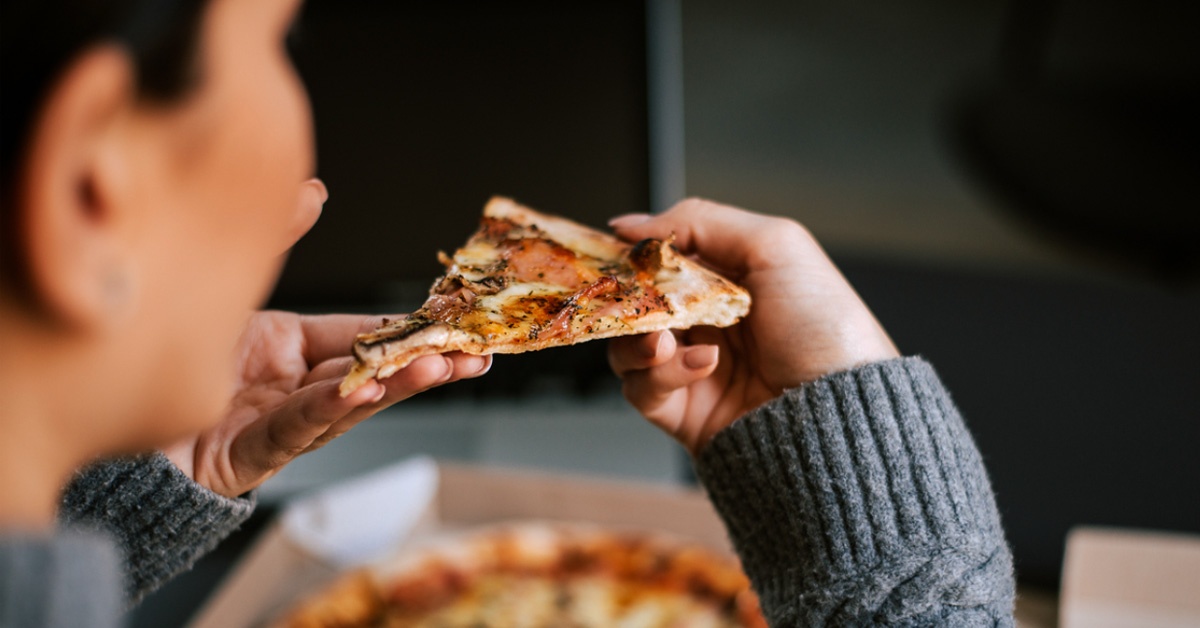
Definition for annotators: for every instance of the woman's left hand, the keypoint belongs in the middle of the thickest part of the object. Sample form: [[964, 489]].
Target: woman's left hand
[[286, 399]]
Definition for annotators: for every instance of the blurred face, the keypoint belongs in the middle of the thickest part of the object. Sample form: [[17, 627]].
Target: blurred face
[[216, 179]]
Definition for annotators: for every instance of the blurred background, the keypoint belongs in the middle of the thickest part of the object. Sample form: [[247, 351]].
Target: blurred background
[[1009, 184]]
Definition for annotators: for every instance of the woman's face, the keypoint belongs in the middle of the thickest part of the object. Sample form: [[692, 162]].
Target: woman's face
[[217, 179]]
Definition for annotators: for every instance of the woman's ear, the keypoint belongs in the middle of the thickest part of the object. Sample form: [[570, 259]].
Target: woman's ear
[[71, 191]]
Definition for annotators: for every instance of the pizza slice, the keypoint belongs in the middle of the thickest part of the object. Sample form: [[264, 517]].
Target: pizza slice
[[527, 281]]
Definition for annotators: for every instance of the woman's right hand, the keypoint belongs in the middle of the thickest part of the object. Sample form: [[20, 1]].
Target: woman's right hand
[[805, 322]]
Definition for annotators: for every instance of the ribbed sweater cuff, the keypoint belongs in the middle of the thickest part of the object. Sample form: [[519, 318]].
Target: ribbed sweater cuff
[[59, 581], [862, 497], [162, 519]]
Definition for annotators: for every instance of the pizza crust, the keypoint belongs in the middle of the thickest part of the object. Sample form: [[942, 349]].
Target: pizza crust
[[665, 290]]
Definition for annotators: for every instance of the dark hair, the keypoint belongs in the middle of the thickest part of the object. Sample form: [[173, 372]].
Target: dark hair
[[40, 38]]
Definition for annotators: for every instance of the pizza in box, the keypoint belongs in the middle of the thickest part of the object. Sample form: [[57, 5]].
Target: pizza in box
[[540, 575]]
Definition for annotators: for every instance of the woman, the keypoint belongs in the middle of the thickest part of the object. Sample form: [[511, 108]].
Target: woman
[[154, 165], [153, 159]]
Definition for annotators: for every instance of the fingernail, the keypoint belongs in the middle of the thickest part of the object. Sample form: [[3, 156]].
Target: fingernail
[[379, 395], [659, 347], [628, 220], [449, 369], [484, 364], [700, 357]]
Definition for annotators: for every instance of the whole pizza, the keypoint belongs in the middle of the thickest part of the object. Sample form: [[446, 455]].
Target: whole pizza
[[540, 575]]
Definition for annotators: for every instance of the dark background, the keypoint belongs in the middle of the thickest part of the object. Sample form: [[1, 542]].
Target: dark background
[[426, 109]]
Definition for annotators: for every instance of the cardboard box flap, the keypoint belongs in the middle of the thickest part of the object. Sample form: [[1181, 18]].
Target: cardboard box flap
[[1130, 578]]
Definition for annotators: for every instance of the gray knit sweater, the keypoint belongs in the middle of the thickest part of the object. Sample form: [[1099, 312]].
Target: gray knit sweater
[[859, 499], [162, 520], [127, 524]]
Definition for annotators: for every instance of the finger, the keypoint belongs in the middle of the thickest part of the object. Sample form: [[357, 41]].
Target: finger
[[634, 353], [461, 366], [332, 335], [467, 366], [289, 429], [329, 369], [464, 366], [650, 389], [433, 370], [732, 239]]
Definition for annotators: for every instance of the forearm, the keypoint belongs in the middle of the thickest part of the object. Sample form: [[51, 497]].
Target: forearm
[[161, 519], [861, 498]]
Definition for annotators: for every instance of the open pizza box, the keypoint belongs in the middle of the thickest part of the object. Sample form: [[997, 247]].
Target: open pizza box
[[1111, 577], [369, 518]]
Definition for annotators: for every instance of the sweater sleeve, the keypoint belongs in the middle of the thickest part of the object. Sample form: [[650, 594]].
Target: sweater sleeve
[[63, 580], [861, 499], [162, 520]]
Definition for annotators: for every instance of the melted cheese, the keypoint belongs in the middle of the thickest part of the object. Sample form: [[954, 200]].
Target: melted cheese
[[547, 292]]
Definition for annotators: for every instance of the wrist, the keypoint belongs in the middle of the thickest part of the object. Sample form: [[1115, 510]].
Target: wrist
[[855, 340]]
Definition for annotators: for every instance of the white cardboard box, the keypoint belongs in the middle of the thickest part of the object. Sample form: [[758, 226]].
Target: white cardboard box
[[1130, 578]]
